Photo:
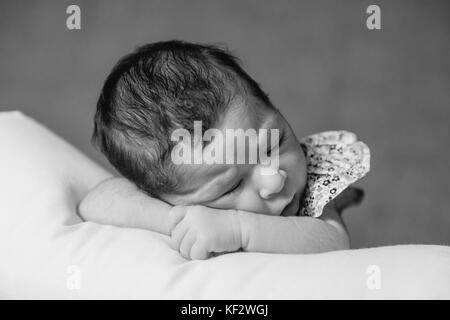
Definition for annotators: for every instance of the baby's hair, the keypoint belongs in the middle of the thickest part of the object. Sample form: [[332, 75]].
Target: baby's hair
[[158, 88]]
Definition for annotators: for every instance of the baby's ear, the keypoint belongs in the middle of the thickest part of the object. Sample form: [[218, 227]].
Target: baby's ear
[[349, 197]]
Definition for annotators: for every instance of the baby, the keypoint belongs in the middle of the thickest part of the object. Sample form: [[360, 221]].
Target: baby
[[218, 207]]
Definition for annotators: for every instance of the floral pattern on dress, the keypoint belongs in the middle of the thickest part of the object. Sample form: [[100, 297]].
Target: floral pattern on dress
[[334, 160]]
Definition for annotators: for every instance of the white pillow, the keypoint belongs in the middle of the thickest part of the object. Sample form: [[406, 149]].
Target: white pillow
[[46, 251]]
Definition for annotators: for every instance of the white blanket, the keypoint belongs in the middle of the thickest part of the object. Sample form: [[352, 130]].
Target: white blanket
[[46, 251]]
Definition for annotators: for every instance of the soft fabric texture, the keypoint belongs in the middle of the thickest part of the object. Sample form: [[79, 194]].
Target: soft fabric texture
[[44, 245], [334, 160]]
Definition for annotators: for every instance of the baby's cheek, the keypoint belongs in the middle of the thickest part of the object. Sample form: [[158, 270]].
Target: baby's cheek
[[302, 175], [246, 201], [250, 202], [295, 166]]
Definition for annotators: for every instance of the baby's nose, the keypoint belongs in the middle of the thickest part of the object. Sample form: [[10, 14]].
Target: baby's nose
[[272, 184]]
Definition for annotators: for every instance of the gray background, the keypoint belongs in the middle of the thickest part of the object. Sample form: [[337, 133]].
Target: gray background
[[321, 65]]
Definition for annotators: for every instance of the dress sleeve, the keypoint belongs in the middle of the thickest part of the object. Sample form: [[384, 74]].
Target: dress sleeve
[[335, 160]]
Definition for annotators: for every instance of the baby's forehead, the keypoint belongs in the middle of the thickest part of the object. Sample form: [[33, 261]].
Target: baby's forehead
[[243, 113], [248, 117]]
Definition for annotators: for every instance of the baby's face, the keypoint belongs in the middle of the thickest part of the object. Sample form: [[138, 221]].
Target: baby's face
[[245, 186]]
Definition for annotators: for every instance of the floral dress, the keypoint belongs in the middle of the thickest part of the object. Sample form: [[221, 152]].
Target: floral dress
[[334, 160]]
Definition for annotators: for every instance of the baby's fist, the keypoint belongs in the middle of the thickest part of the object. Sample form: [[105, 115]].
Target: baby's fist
[[198, 231]]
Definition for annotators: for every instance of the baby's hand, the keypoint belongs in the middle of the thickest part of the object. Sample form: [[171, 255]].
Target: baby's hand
[[199, 231]]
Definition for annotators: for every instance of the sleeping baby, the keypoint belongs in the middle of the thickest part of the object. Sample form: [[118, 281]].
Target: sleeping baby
[[234, 202]]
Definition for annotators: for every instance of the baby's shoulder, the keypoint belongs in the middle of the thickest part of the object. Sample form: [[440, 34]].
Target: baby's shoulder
[[336, 150], [334, 160]]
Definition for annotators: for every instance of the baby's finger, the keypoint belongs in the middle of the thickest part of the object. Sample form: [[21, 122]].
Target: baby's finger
[[178, 234], [199, 251], [186, 244], [176, 214]]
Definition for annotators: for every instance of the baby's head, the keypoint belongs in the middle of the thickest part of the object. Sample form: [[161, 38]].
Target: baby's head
[[166, 86]]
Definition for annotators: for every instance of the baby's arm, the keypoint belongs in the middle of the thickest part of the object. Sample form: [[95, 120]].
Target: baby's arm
[[263, 233], [200, 231], [119, 202], [300, 234]]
